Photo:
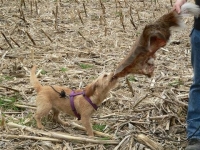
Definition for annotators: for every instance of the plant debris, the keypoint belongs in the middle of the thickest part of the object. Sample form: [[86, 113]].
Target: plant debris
[[72, 42]]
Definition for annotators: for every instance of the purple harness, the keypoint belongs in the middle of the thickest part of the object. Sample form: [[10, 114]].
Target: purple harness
[[72, 95]]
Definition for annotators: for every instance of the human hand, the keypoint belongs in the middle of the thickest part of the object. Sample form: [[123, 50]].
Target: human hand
[[178, 4]]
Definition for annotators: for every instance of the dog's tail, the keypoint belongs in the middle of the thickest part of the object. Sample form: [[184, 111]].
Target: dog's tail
[[34, 81]]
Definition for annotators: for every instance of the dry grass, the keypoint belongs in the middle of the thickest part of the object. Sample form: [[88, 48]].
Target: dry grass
[[72, 42]]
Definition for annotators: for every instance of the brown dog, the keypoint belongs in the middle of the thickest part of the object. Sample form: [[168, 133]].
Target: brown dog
[[49, 99]]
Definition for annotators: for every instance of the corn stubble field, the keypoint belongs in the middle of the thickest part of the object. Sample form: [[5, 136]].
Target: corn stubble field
[[72, 42]]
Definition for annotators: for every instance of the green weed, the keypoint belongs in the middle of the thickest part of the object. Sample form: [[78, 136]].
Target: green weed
[[7, 78], [131, 78], [99, 127], [43, 72], [85, 66], [176, 83], [138, 33], [118, 14], [8, 102], [63, 69], [105, 138], [27, 120]]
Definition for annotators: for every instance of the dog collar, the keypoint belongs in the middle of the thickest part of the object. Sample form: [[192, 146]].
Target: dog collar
[[72, 95]]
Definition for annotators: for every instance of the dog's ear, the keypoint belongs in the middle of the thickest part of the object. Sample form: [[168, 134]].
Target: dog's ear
[[90, 89]]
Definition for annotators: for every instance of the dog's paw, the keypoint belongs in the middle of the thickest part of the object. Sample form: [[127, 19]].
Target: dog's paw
[[91, 134], [65, 124], [40, 127], [57, 120]]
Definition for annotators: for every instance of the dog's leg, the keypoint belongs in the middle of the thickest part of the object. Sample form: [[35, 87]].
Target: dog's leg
[[86, 123], [57, 119], [42, 110]]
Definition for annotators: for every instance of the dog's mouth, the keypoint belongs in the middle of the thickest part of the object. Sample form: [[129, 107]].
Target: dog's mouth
[[113, 78]]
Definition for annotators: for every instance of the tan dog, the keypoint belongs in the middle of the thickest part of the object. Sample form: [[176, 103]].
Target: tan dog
[[48, 99]]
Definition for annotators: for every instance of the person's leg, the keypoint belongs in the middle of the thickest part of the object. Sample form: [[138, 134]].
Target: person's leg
[[193, 115]]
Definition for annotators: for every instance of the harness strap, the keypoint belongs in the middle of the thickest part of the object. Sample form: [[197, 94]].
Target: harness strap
[[72, 105], [89, 100], [72, 95], [62, 93]]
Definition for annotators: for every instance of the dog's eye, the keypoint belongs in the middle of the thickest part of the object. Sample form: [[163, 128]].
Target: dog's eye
[[105, 75]]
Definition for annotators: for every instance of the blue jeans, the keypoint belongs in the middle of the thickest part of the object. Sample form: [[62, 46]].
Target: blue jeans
[[193, 114]]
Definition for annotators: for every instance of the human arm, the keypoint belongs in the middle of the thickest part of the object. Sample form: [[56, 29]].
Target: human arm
[[178, 4]]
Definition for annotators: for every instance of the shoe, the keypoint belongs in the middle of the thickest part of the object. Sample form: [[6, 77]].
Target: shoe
[[193, 144]]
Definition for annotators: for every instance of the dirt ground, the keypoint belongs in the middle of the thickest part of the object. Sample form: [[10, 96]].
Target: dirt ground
[[72, 42]]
